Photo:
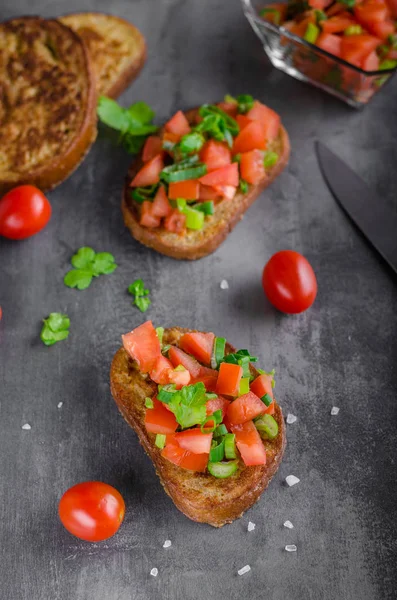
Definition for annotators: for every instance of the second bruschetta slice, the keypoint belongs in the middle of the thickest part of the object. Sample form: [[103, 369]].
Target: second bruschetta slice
[[194, 181]]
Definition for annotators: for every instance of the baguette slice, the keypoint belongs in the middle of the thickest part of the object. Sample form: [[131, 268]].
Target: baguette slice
[[200, 496], [117, 49], [197, 244], [47, 102]]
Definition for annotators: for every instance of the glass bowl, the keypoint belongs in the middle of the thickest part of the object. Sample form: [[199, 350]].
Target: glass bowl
[[306, 62]]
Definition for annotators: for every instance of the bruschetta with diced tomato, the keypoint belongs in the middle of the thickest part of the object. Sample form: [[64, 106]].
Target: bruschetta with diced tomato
[[204, 414], [193, 181]]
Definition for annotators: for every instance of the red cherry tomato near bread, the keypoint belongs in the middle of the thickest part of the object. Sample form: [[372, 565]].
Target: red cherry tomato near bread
[[92, 511], [289, 282], [24, 211]]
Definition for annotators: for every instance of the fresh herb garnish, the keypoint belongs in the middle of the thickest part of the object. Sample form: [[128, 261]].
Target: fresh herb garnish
[[140, 293], [55, 329], [243, 186], [133, 123], [189, 405], [242, 358], [191, 142], [140, 194], [270, 159], [149, 402], [88, 264], [217, 124]]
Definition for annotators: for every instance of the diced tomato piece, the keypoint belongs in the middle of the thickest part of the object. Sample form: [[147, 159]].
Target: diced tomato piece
[[320, 4], [148, 219], [382, 30], [143, 345], [194, 440], [185, 459], [262, 385], [171, 137], [249, 444], [337, 24], [180, 378], [219, 403], [335, 9], [269, 119], [227, 175], [252, 169], [355, 48], [252, 137], [152, 147], [392, 4], [161, 206], [330, 43], [226, 192], [199, 344], [149, 174], [178, 124], [243, 121], [230, 108], [175, 222], [179, 357], [159, 419], [371, 63], [229, 379], [207, 193], [245, 408], [160, 371], [215, 155], [188, 189], [371, 12], [209, 377]]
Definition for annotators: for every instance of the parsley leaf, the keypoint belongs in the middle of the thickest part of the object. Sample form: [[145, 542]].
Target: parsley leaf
[[55, 329], [134, 123], [87, 265], [141, 300], [189, 405]]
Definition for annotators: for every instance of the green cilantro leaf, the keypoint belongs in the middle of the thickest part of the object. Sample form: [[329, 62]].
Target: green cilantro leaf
[[112, 114], [140, 114], [55, 329], [140, 293], [103, 264], [78, 278], [142, 302], [87, 265], [189, 405], [83, 258]]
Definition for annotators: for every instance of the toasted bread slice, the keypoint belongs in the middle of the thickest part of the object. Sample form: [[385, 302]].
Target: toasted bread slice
[[197, 244], [117, 49], [200, 496], [47, 102]]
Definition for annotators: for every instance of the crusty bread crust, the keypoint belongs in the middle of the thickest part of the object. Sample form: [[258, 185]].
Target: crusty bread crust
[[197, 244], [117, 49], [47, 102], [200, 496]]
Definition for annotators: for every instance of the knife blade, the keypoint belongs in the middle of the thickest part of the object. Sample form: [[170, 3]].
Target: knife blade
[[365, 208]]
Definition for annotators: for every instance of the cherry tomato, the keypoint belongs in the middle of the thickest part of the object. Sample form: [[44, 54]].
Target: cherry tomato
[[24, 211], [289, 282], [92, 511]]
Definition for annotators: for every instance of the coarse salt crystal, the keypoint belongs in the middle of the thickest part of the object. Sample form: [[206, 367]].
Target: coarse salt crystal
[[60, 404], [334, 410], [167, 544], [224, 285], [244, 570], [288, 525], [291, 548], [251, 526], [292, 480], [154, 572], [26, 426], [291, 418]]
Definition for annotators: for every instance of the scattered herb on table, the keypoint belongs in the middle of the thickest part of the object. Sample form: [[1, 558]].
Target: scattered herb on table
[[141, 295], [88, 264], [55, 329], [133, 123]]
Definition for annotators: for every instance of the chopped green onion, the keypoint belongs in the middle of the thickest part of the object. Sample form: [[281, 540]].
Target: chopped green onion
[[245, 103], [206, 207], [220, 430], [353, 30], [311, 33], [243, 186], [210, 396], [180, 204], [191, 142], [230, 446], [193, 172], [165, 348], [273, 11], [160, 333], [267, 399], [244, 363], [217, 416], [230, 124], [149, 403], [387, 64], [320, 16], [165, 393], [160, 440], [270, 159], [236, 158], [194, 218], [244, 386], [267, 427], [140, 194], [205, 429], [218, 352], [217, 452], [221, 470]]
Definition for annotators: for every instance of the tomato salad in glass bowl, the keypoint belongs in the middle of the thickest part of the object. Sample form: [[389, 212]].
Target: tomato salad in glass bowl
[[212, 411], [346, 47]]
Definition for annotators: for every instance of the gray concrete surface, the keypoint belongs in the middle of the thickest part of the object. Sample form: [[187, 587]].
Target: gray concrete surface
[[341, 352]]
